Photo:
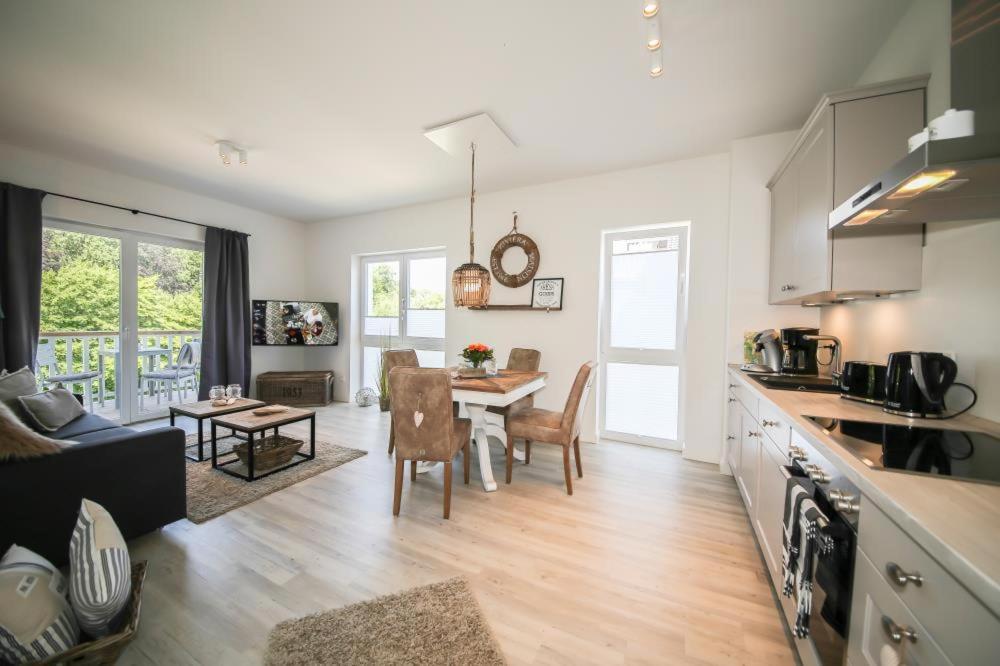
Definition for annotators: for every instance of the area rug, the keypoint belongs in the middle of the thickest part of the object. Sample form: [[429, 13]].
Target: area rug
[[211, 493], [434, 624]]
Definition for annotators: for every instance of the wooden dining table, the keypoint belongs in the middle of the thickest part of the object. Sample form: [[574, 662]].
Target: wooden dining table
[[475, 394]]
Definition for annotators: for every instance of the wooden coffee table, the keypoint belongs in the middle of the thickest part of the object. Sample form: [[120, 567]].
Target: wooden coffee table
[[251, 424], [199, 411]]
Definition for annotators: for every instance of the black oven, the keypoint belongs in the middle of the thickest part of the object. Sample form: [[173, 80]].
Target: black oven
[[833, 579]]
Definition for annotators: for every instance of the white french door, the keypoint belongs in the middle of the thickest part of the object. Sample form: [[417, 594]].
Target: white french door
[[403, 306], [642, 335]]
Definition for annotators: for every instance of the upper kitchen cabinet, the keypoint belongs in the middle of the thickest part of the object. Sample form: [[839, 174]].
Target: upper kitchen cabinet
[[849, 138]]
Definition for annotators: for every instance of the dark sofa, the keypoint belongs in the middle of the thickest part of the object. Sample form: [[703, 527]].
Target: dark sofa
[[138, 476]]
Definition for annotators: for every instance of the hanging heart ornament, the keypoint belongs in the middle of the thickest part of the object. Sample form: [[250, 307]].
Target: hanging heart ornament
[[418, 418]]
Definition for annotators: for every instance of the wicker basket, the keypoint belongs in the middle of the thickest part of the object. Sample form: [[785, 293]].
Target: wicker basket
[[471, 372], [271, 451], [107, 650]]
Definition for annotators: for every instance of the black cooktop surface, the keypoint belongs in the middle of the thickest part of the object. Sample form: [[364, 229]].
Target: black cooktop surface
[[959, 454]]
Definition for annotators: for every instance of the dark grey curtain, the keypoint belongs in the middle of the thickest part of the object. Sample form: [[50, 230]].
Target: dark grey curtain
[[225, 318], [20, 274]]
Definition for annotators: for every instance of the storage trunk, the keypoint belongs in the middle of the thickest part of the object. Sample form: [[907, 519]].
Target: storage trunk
[[300, 388]]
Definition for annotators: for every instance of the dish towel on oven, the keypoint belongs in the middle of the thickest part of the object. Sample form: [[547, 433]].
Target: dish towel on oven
[[805, 537]]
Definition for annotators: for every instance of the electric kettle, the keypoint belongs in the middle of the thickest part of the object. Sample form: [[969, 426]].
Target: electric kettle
[[916, 384]]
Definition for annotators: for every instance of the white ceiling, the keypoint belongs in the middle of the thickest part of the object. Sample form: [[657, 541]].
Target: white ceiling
[[333, 97]]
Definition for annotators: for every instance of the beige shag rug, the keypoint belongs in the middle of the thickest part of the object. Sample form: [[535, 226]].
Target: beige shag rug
[[211, 493], [434, 624]]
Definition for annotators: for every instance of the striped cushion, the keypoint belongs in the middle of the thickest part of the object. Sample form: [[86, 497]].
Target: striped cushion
[[36, 621], [100, 577]]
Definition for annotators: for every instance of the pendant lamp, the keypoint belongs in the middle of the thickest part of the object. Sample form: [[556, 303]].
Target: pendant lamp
[[470, 283]]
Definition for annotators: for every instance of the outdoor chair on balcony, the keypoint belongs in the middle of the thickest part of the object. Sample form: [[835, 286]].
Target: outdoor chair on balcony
[[179, 375], [45, 357]]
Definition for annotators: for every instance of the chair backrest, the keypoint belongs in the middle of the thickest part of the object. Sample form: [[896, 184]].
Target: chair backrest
[[45, 357], [399, 358], [577, 401], [195, 353], [185, 356], [524, 360], [422, 413]]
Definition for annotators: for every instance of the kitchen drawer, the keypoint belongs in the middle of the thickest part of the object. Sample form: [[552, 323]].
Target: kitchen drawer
[[776, 424], [746, 397], [965, 629], [873, 604]]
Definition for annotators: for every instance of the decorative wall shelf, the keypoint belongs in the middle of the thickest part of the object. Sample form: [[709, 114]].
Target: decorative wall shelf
[[512, 307]]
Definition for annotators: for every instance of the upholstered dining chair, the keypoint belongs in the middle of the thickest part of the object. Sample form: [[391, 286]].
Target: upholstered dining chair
[[562, 428], [424, 427], [397, 358], [521, 360]]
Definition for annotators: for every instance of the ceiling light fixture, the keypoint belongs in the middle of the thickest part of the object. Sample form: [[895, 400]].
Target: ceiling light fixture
[[470, 283], [650, 8], [921, 183], [866, 216], [226, 151], [653, 42], [656, 63]]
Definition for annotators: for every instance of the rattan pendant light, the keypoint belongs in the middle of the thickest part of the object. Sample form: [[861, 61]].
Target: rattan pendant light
[[470, 283]]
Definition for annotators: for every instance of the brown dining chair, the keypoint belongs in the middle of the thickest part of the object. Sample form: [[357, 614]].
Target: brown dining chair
[[521, 360], [397, 358], [424, 427], [562, 428]]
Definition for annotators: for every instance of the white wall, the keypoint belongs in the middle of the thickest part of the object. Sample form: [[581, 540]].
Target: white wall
[[958, 307], [753, 162], [565, 219], [276, 245]]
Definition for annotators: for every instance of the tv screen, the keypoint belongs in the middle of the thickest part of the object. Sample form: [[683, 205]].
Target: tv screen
[[295, 323]]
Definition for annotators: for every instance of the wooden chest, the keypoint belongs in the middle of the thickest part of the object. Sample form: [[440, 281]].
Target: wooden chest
[[302, 387]]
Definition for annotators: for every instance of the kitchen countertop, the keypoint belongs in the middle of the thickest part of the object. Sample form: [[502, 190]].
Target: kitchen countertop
[[957, 522]]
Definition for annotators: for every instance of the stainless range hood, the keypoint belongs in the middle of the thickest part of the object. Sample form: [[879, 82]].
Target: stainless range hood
[[947, 179]]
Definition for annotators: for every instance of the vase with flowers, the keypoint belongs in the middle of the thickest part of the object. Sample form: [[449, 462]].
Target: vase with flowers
[[475, 356]]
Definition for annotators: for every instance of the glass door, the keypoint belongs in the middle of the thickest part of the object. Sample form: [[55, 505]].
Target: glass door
[[642, 335], [81, 315], [403, 308], [168, 311]]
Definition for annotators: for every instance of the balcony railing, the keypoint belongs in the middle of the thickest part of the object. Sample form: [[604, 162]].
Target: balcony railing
[[85, 351]]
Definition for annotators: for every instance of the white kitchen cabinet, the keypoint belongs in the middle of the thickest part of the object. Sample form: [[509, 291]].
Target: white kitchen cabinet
[[749, 461], [849, 139], [734, 413], [771, 504]]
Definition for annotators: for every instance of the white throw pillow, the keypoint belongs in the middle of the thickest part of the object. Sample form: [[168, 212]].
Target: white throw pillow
[[100, 572], [36, 621]]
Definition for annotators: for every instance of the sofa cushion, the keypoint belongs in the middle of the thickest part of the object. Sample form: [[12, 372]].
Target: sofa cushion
[[15, 384], [84, 424], [19, 442], [36, 621], [101, 435], [100, 572], [50, 410]]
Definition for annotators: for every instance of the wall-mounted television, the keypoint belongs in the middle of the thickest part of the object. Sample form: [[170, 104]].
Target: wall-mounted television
[[295, 323]]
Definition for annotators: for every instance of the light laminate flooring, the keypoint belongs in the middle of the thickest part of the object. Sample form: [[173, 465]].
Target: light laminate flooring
[[651, 561]]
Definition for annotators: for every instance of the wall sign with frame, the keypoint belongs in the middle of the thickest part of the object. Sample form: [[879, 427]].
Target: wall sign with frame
[[547, 293]]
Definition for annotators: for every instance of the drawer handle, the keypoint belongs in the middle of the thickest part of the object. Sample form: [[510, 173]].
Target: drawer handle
[[732, 399], [751, 433], [900, 577], [896, 632], [769, 424], [732, 386], [728, 437]]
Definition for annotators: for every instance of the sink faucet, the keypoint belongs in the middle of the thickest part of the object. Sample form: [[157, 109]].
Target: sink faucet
[[836, 346]]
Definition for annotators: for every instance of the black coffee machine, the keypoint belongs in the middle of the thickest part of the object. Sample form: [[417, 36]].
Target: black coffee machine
[[800, 353]]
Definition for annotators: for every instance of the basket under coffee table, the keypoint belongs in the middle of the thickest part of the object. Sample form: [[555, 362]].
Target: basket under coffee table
[[256, 427], [199, 411]]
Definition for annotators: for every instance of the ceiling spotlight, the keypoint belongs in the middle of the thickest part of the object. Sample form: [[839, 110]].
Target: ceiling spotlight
[[653, 35], [650, 8], [656, 63], [226, 151]]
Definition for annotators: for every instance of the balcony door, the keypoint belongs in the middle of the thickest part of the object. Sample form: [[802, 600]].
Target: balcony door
[[403, 307], [116, 308], [642, 335]]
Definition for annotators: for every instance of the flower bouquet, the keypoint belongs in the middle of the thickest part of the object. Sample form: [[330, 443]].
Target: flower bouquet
[[475, 356]]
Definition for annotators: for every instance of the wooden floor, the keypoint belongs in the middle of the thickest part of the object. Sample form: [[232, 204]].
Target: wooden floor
[[651, 561]]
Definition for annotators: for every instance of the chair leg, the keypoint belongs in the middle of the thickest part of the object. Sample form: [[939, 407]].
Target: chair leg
[[392, 436], [527, 452], [510, 457], [413, 470], [569, 477], [576, 453], [466, 460], [397, 492], [447, 490]]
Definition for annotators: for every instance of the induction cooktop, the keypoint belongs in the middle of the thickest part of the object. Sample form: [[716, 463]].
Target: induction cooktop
[[959, 454]]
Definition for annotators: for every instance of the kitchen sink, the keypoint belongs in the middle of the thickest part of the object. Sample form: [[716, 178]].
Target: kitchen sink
[[798, 383]]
